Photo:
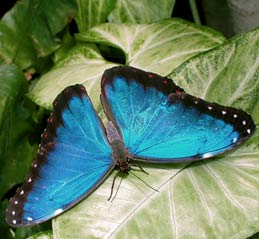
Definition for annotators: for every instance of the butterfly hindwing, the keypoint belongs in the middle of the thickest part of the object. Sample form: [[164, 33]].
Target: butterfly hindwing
[[160, 123], [74, 157]]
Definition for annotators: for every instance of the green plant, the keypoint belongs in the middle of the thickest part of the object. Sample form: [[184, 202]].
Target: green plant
[[216, 198]]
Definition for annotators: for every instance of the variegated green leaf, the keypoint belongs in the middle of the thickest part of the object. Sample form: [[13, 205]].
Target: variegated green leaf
[[83, 65], [142, 11], [92, 12], [227, 74], [159, 47]]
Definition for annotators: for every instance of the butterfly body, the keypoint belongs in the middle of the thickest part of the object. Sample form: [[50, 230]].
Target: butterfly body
[[121, 156], [150, 120]]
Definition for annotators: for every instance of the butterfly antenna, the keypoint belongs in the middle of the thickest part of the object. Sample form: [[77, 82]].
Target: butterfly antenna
[[143, 181]]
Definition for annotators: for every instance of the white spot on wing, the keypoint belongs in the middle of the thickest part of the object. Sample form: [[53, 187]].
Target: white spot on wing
[[235, 115], [244, 122], [234, 140], [29, 219], [207, 155], [14, 221], [224, 112], [13, 213], [15, 202], [58, 211], [22, 192], [248, 131]]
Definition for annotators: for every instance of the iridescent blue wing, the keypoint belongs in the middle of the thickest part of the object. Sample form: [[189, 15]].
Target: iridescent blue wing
[[74, 157], [161, 123]]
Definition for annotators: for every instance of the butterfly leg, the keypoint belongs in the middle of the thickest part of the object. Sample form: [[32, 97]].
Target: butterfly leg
[[139, 167], [144, 181], [113, 183]]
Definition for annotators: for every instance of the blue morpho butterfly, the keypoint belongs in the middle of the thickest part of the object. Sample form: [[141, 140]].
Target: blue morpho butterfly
[[150, 119]]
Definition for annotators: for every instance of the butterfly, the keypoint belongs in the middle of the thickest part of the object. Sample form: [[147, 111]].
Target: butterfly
[[150, 120]]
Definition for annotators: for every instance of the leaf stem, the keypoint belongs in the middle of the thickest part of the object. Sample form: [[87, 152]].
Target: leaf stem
[[195, 13]]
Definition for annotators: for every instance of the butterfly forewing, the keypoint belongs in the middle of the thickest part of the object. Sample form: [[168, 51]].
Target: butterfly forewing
[[138, 93], [161, 123], [73, 159]]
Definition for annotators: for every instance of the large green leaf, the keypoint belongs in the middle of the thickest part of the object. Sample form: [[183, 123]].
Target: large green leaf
[[174, 41], [142, 11], [228, 74], [83, 65], [92, 12], [16, 152], [28, 30], [216, 198], [159, 47]]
